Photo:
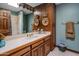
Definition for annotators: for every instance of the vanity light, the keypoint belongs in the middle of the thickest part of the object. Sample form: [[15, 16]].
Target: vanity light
[[36, 13]]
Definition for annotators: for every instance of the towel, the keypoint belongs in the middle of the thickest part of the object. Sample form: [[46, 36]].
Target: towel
[[70, 34]]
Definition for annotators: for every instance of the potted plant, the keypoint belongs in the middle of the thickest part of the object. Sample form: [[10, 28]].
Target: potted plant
[[2, 42]]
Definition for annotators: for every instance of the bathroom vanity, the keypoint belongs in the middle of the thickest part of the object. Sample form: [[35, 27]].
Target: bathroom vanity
[[35, 45]]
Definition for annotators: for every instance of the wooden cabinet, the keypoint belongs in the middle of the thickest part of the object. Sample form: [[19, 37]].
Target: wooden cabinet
[[40, 47], [47, 11], [27, 54], [38, 51], [5, 22], [21, 52], [37, 48], [47, 46]]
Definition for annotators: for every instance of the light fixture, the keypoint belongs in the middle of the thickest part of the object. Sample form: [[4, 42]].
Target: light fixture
[[13, 4], [36, 13]]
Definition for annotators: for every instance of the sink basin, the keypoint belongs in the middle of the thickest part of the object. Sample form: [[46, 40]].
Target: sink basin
[[34, 36]]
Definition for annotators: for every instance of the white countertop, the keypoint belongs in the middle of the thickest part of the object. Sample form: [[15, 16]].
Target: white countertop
[[16, 41]]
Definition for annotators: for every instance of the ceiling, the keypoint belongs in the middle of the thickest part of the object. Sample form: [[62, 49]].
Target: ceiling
[[34, 4], [16, 9], [12, 8]]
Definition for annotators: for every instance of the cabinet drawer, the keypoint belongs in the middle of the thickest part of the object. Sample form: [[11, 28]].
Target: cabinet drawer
[[37, 43], [21, 52]]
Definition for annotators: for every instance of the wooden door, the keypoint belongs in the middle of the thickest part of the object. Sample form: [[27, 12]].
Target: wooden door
[[5, 22]]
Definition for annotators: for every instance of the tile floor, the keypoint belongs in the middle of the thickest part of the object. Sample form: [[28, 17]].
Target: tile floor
[[57, 52]]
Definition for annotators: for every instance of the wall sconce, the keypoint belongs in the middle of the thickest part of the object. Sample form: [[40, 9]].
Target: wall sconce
[[37, 13]]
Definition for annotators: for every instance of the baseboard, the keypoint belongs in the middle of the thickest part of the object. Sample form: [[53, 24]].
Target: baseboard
[[70, 50]]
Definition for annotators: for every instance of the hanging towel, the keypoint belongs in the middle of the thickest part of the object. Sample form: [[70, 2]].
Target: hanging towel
[[70, 34]]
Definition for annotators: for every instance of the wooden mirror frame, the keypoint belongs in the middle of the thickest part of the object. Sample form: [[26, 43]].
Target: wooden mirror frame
[[45, 21], [36, 20]]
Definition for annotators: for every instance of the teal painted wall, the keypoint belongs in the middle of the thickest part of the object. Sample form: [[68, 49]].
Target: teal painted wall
[[14, 13], [65, 13], [27, 22], [30, 21]]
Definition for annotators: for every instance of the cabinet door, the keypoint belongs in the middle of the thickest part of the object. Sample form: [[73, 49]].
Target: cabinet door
[[38, 51], [47, 47], [27, 54], [35, 52]]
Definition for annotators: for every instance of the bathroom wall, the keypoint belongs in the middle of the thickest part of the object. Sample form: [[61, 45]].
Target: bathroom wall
[[25, 23], [20, 22], [30, 22], [14, 13], [64, 13]]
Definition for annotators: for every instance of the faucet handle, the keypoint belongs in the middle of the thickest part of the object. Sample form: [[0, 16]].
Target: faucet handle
[[42, 30], [38, 29]]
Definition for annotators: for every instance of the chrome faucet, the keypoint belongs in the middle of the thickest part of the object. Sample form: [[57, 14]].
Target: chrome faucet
[[40, 31]]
